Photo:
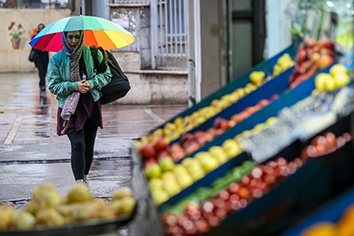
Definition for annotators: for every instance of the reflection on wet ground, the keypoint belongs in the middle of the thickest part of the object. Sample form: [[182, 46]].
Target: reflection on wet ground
[[105, 176], [21, 103]]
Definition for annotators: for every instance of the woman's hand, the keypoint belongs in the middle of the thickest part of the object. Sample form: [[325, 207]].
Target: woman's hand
[[83, 86]]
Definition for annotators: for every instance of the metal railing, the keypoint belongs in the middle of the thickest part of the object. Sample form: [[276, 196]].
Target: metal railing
[[168, 30]]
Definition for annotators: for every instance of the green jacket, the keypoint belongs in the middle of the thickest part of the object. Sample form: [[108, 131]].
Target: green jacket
[[59, 76]]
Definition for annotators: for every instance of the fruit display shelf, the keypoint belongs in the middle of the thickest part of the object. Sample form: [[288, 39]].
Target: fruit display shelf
[[266, 66], [319, 180], [316, 182], [285, 100]]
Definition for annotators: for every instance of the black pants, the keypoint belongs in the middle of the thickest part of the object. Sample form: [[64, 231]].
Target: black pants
[[42, 65], [42, 71], [82, 148]]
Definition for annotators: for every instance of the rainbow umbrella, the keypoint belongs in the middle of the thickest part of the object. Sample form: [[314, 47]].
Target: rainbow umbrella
[[98, 32]]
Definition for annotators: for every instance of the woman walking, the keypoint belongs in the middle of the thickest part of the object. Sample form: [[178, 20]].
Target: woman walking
[[73, 80], [41, 62]]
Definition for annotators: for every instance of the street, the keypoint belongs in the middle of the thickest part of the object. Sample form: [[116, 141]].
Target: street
[[32, 153]]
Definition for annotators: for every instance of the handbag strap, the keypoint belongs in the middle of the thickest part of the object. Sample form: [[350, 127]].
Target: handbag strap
[[99, 67]]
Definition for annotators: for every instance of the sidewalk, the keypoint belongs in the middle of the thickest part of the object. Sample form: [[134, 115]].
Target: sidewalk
[[31, 152]]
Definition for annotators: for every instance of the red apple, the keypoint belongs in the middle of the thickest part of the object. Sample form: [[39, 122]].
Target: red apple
[[274, 97], [347, 136], [207, 209], [310, 42], [327, 51], [160, 144], [314, 49], [233, 188], [178, 154], [270, 179], [305, 66], [187, 137], [147, 151], [173, 230], [204, 138], [325, 61], [263, 103], [257, 193], [169, 219], [326, 43], [257, 173], [319, 140], [299, 163], [213, 221], [320, 150], [249, 110], [221, 123], [307, 152], [175, 146], [297, 81], [219, 132], [149, 162], [211, 131], [191, 146], [236, 118], [301, 55], [191, 207], [281, 161], [162, 154], [201, 226], [243, 116], [221, 213], [225, 195], [340, 141], [296, 71]]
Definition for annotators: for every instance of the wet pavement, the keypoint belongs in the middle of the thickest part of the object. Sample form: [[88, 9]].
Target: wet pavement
[[32, 153]]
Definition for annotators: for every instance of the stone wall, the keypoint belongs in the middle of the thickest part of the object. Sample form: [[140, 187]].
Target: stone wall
[[16, 60]]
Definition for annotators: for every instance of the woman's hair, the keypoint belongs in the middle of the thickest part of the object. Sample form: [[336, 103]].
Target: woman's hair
[[41, 24], [66, 32]]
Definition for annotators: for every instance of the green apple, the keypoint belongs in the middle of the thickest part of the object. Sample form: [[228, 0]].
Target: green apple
[[201, 156], [172, 188], [330, 85], [198, 174], [153, 170], [166, 164], [168, 176], [155, 183], [210, 164], [257, 128], [271, 120], [185, 181], [219, 153], [180, 170], [190, 162], [187, 161], [321, 81], [194, 167], [159, 196], [338, 69], [231, 148], [341, 80]]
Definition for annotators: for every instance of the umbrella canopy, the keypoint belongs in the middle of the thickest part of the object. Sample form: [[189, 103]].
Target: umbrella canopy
[[98, 32]]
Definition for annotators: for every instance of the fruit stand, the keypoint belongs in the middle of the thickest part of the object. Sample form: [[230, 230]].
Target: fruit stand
[[256, 156]]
